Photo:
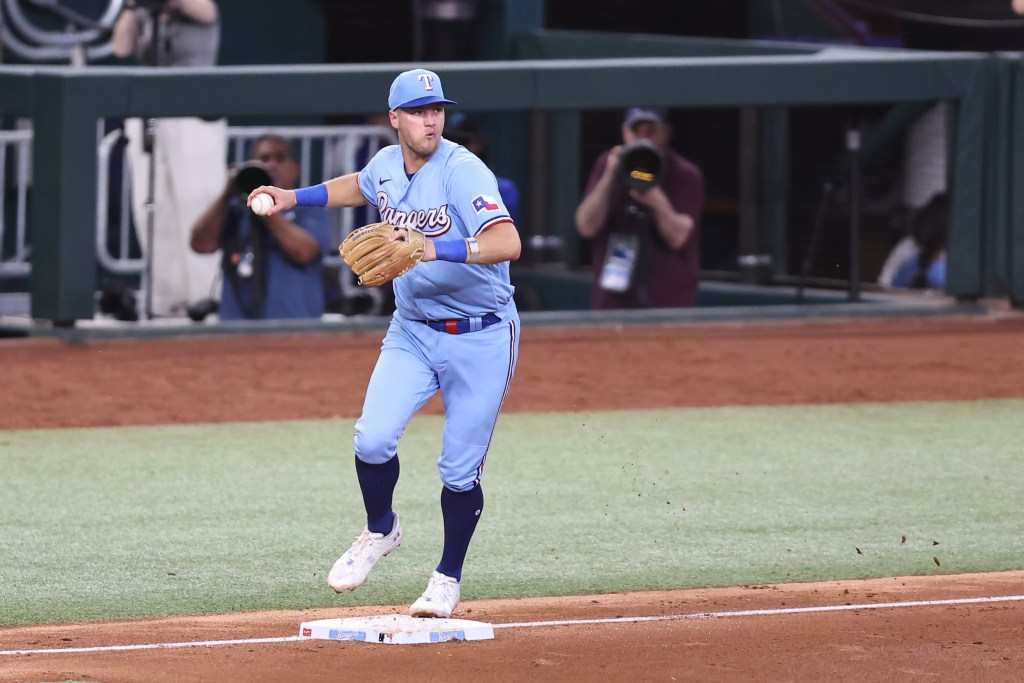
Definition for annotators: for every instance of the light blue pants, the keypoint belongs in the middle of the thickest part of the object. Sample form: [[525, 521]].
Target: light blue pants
[[473, 372]]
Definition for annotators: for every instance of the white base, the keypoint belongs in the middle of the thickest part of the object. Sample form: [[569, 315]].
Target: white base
[[396, 629]]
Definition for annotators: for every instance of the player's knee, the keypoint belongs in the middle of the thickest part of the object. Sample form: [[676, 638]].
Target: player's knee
[[373, 448], [458, 479]]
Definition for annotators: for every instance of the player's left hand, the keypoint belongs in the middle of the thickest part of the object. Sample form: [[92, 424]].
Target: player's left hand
[[429, 252], [379, 252]]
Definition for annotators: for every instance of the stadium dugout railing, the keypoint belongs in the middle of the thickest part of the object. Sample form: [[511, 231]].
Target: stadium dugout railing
[[987, 223], [322, 151], [15, 153]]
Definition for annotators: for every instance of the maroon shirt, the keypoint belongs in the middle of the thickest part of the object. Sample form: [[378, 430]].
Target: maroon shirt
[[672, 276]]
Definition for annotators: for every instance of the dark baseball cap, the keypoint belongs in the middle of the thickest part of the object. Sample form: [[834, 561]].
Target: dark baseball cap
[[652, 114]]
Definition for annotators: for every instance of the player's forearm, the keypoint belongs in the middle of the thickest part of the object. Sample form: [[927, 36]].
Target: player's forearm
[[496, 245], [343, 191], [499, 244]]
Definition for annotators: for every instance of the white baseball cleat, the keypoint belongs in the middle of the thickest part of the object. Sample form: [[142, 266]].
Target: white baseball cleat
[[440, 599], [353, 567]]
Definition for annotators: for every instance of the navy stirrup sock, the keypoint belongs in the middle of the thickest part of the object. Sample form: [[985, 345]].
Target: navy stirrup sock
[[461, 511], [377, 482]]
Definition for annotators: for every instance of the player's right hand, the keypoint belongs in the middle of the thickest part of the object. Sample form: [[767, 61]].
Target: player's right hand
[[283, 199]]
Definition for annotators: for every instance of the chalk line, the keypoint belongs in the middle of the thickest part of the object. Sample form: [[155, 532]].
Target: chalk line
[[780, 611]]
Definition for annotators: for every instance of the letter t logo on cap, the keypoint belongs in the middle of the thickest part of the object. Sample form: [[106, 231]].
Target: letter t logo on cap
[[427, 81]]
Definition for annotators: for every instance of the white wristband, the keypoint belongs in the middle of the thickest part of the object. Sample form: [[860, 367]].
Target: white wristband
[[474, 250]]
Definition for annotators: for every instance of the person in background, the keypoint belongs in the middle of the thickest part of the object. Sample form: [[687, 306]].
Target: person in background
[[189, 32], [271, 265], [341, 292], [918, 261], [176, 163], [464, 129], [645, 241]]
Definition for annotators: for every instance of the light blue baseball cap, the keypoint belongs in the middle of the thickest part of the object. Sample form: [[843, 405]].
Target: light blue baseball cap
[[415, 88]]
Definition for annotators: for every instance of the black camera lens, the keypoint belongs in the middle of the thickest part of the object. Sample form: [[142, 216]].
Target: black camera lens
[[640, 165], [251, 175]]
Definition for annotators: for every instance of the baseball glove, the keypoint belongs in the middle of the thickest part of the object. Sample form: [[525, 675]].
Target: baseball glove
[[377, 257]]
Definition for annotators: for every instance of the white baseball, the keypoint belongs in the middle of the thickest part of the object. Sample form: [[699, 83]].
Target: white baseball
[[261, 203]]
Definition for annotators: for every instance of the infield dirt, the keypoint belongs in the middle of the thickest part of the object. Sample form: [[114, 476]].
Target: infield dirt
[[49, 383]]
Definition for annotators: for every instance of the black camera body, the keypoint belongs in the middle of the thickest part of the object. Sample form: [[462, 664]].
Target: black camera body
[[250, 175], [640, 165]]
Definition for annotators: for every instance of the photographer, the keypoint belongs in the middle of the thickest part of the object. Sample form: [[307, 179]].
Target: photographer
[[176, 163], [641, 209], [271, 265], [186, 32]]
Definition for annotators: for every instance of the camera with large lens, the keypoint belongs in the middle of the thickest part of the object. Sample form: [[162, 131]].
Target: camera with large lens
[[251, 175], [640, 165]]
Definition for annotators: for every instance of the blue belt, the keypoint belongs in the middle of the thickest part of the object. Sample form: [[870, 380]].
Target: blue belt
[[463, 325]]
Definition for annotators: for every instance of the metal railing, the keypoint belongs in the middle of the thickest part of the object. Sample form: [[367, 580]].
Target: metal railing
[[340, 151], [323, 152], [14, 251]]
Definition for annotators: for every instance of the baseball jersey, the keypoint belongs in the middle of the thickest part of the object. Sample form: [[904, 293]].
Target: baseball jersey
[[452, 197]]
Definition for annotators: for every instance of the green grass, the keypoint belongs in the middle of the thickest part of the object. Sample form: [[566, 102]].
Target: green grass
[[140, 521]]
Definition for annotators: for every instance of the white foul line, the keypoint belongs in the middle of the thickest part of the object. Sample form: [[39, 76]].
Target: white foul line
[[568, 622], [767, 612], [149, 646]]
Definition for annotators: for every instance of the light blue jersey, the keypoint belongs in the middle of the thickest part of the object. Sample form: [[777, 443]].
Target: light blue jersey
[[452, 197], [455, 332]]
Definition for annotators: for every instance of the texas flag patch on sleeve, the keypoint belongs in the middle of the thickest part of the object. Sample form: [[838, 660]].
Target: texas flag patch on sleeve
[[485, 203]]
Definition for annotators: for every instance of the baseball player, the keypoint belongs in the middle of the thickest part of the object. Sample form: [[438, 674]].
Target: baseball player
[[455, 328]]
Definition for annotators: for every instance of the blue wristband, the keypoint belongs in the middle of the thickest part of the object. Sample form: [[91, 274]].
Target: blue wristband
[[315, 195], [452, 250]]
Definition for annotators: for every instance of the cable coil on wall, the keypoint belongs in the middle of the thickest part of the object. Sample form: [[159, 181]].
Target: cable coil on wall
[[82, 40]]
